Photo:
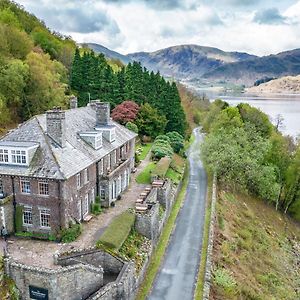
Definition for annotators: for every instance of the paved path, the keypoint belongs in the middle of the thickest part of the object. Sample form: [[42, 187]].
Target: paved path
[[177, 276]]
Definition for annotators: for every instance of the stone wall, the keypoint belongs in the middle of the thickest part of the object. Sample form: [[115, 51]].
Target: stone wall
[[208, 266], [147, 223], [71, 282], [92, 256]]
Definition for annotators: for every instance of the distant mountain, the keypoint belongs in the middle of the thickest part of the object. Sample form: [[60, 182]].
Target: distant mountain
[[108, 53], [248, 71], [187, 61]]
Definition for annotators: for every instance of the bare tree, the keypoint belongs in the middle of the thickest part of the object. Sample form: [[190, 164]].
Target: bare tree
[[278, 122]]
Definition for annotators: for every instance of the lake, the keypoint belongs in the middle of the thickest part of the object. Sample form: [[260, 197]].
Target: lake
[[286, 105]]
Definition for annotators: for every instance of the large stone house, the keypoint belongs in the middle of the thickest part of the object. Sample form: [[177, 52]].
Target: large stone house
[[54, 165]]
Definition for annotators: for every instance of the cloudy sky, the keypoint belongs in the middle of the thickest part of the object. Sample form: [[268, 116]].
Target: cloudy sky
[[256, 26]]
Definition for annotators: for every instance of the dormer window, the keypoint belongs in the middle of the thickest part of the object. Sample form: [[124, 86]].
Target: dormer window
[[4, 155], [93, 138], [17, 153], [108, 132], [18, 157]]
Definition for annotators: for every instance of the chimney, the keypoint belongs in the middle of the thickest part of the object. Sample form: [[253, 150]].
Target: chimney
[[56, 125], [102, 113], [73, 102]]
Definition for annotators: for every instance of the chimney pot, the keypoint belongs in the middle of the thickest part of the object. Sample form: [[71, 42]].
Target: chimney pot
[[73, 102], [102, 113], [56, 125]]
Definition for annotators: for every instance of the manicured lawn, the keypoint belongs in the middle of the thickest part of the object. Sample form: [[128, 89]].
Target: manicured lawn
[[158, 254], [145, 176], [145, 148], [117, 231]]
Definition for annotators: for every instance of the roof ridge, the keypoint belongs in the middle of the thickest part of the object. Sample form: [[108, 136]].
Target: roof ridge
[[49, 147]]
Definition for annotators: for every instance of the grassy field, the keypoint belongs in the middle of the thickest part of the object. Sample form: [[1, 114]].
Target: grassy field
[[256, 251], [117, 231], [145, 175], [162, 244]]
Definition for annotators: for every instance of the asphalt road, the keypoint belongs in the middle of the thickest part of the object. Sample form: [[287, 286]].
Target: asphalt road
[[178, 273]]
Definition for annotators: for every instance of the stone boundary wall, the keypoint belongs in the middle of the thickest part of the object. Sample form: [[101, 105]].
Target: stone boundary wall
[[63, 283], [92, 256], [208, 265]]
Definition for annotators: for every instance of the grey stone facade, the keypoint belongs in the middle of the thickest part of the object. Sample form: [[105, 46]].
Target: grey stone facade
[[63, 173]]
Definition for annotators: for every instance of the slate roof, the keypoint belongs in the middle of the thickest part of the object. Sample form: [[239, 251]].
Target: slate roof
[[52, 161]]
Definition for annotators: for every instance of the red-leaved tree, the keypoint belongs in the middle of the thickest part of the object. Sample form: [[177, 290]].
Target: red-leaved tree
[[125, 112]]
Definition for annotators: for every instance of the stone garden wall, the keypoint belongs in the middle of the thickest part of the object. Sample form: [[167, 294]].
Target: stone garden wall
[[72, 282], [208, 266]]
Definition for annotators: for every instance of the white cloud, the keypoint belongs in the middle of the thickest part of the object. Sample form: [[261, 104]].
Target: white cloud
[[138, 26]]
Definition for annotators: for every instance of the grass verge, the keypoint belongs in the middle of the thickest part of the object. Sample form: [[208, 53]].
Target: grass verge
[[162, 243], [145, 176], [201, 273]]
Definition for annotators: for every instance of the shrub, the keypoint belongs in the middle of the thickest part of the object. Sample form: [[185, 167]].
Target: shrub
[[117, 231], [19, 218], [97, 199], [71, 234], [96, 208], [162, 147], [224, 279], [162, 167], [176, 141], [131, 126]]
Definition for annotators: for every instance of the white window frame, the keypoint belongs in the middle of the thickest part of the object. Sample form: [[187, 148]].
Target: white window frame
[[102, 193], [43, 186], [44, 212], [23, 187], [92, 196], [78, 181], [19, 157], [101, 167], [109, 162], [119, 185], [4, 158], [86, 175], [28, 211]]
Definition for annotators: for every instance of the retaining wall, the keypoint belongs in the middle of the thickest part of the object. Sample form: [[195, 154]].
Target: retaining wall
[[72, 282], [208, 266]]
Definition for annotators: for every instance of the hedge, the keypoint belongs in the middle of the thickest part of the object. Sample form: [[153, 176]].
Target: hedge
[[161, 167], [117, 231]]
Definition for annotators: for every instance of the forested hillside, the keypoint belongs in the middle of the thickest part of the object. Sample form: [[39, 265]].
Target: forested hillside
[[40, 68], [34, 65]]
